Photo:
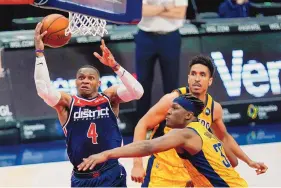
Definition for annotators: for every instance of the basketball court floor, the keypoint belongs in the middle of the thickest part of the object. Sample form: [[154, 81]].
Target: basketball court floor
[[46, 165]]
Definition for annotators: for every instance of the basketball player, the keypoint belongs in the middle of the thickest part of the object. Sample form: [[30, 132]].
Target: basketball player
[[164, 167], [201, 152], [89, 119]]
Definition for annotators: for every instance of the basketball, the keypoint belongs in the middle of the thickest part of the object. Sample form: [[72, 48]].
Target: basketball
[[55, 25]]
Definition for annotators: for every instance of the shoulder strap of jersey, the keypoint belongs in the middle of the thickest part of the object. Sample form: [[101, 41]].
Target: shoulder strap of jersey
[[104, 95], [182, 90], [73, 98], [160, 130], [197, 127], [211, 105]]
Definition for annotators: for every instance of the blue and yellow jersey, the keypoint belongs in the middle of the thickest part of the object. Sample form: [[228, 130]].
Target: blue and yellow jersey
[[170, 158], [205, 118], [210, 167]]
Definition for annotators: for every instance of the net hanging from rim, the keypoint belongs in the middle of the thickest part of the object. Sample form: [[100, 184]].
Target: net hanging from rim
[[80, 24]]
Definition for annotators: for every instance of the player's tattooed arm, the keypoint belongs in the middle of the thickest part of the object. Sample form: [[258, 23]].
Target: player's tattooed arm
[[175, 138], [131, 89]]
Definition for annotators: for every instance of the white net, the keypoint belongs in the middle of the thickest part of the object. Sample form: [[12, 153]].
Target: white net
[[85, 25]]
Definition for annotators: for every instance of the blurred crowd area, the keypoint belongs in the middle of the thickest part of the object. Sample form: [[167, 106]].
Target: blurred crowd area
[[157, 52]]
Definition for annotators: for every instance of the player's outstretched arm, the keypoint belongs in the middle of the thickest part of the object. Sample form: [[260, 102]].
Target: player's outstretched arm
[[131, 88], [230, 156], [219, 129], [175, 138], [42, 80]]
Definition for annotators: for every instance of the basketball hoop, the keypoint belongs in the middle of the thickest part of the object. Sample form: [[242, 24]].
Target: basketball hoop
[[80, 24], [88, 17]]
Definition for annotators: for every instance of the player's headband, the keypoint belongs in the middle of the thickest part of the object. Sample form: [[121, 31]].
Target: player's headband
[[185, 103]]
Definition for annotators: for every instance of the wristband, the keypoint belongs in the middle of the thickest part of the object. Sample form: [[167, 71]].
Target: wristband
[[114, 67], [39, 51]]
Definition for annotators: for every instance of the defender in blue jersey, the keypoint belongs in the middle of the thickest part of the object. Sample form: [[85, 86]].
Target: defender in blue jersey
[[89, 119]]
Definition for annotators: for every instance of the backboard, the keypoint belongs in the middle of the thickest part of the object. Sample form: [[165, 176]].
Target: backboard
[[117, 11]]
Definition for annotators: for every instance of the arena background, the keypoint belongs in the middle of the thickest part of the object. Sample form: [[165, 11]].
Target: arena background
[[30, 134]]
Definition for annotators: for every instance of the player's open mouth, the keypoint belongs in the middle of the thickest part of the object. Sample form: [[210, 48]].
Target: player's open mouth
[[84, 88]]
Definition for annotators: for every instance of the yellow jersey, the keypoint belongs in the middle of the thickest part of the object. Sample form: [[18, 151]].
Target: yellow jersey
[[210, 167]]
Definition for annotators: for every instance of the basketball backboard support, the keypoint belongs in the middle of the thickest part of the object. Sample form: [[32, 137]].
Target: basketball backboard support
[[2, 73], [117, 11]]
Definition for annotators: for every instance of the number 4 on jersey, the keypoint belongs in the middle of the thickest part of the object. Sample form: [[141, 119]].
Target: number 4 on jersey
[[92, 133]]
